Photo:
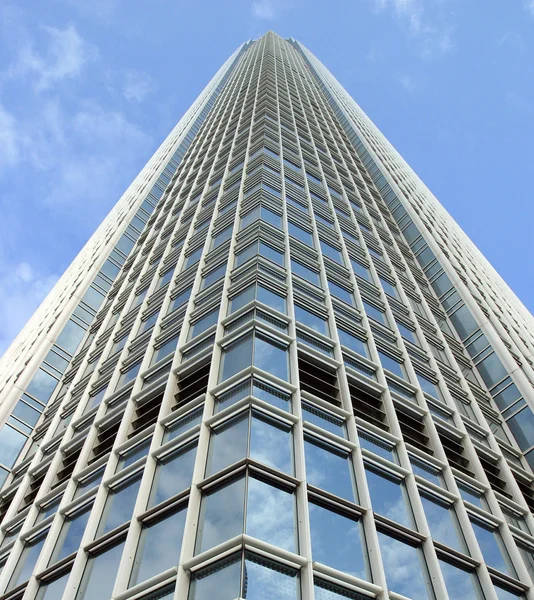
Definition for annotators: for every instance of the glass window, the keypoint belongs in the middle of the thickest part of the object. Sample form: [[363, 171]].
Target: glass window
[[341, 293], [375, 313], [27, 560], [213, 276], [271, 357], [328, 468], [323, 419], [11, 443], [221, 580], [391, 364], [331, 252], [168, 348], [503, 594], [182, 297], [300, 234], [236, 357], [360, 270], [53, 590], [100, 573], [337, 541], [324, 590], [222, 237], [492, 547], [159, 547], [71, 535], [404, 567], [522, 427], [306, 274], [406, 333], [173, 474], [390, 289], [269, 580], [352, 342], [311, 320], [41, 386], [388, 496], [428, 386], [204, 323], [463, 322], [442, 522], [71, 336], [260, 293], [119, 505], [268, 252], [228, 444], [459, 583]]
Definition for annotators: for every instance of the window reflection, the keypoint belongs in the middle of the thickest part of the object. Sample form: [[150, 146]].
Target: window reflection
[[27, 560], [492, 546], [324, 590], [100, 573], [173, 474], [159, 547], [221, 581], [388, 496], [459, 583], [337, 541], [53, 590], [442, 522], [404, 567], [328, 468], [71, 535], [120, 504]]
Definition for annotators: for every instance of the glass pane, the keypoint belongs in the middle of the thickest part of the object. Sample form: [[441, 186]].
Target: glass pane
[[442, 523], [324, 590], [70, 536], [337, 541], [119, 506], [270, 357], [404, 567], [221, 581], [271, 299], [391, 364], [265, 580], [323, 419], [159, 547], [270, 443], [236, 357], [271, 395], [352, 342], [459, 584], [387, 497], [506, 595], [27, 561], [311, 320], [246, 296], [221, 515], [329, 469], [492, 547], [53, 590], [173, 474], [270, 514], [99, 575], [11, 443], [228, 444]]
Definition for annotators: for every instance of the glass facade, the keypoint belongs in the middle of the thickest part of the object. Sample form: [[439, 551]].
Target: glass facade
[[282, 383]]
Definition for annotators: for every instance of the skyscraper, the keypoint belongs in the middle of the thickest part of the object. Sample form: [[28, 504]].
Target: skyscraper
[[277, 370]]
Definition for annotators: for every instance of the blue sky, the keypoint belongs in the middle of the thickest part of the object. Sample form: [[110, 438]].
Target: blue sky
[[90, 88]]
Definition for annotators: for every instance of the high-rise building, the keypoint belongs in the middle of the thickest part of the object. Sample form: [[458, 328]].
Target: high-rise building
[[278, 370]]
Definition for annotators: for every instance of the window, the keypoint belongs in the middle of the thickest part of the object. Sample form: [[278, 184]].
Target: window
[[390, 289], [404, 567], [300, 234], [306, 273], [182, 297], [323, 419], [388, 496], [71, 534], [251, 434], [311, 320], [159, 546], [221, 237], [406, 333], [391, 364], [329, 468], [119, 505], [27, 560], [492, 547], [352, 342], [261, 249], [442, 522], [261, 351], [260, 212], [204, 323], [332, 252], [174, 473], [429, 387], [337, 541], [213, 276], [459, 583], [374, 313], [340, 292], [261, 294], [360, 270], [100, 573], [50, 590], [168, 348], [223, 516]]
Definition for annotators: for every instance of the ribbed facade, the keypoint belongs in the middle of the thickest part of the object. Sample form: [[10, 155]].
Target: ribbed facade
[[279, 370]]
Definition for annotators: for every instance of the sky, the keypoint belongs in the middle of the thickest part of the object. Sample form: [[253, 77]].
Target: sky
[[90, 88]]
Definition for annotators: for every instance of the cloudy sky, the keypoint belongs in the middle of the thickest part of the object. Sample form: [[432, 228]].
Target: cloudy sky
[[89, 89]]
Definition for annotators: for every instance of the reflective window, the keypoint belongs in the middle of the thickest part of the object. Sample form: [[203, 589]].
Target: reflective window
[[228, 444], [213, 276], [374, 313], [324, 590], [119, 505], [459, 583], [174, 473], [442, 522], [331, 252], [182, 297], [222, 237], [388, 496], [99, 575], [53, 590], [71, 535], [337, 541], [390, 289], [311, 320], [323, 419], [340, 292], [221, 580], [270, 356], [404, 567], [352, 342], [406, 333], [391, 364], [27, 561], [260, 293], [503, 594], [306, 273], [204, 323], [428, 386], [328, 468], [492, 547], [260, 212], [159, 547], [236, 357], [301, 234], [360, 270]]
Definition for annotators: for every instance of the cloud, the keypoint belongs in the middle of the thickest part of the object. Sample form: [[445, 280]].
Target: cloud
[[529, 5], [9, 139], [137, 85], [64, 57], [264, 9], [434, 35], [408, 83]]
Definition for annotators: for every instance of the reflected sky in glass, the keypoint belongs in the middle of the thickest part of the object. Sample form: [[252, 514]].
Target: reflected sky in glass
[[325, 591], [490, 545], [270, 357], [442, 523], [270, 514], [505, 595], [159, 547], [221, 515], [119, 506], [459, 583], [229, 443], [99, 575], [173, 475], [270, 444], [403, 568], [54, 590], [337, 541], [27, 562], [387, 498], [70, 536], [264, 583], [220, 581], [236, 357], [328, 470]]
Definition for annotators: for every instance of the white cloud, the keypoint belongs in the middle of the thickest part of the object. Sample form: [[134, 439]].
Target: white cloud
[[408, 83], [264, 9], [137, 85], [529, 5], [64, 57]]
